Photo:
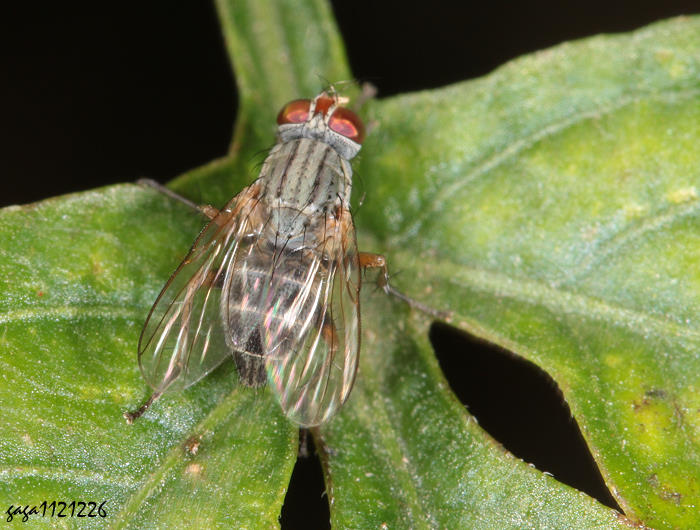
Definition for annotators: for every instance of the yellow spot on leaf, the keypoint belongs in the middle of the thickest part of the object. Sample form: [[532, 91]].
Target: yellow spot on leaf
[[683, 195], [663, 55], [613, 361], [193, 469], [634, 210]]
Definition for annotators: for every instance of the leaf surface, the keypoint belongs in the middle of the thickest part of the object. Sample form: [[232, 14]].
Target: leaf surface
[[553, 207]]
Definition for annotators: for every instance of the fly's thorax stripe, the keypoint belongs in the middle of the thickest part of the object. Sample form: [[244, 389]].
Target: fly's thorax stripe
[[305, 172]]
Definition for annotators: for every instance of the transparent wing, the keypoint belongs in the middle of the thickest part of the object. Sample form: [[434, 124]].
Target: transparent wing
[[312, 337], [184, 337]]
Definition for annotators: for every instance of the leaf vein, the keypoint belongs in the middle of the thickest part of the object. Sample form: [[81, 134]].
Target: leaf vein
[[562, 302], [625, 237], [66, 474], [435, 203], [71, 312]]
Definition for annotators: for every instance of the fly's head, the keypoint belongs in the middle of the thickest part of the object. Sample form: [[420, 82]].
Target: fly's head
[[324, 119]]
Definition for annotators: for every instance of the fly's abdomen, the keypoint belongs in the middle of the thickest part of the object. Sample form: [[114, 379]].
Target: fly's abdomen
[[272, 302]]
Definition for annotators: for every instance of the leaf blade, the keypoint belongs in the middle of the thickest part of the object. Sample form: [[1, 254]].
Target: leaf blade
[[70, 323], [553, 206]]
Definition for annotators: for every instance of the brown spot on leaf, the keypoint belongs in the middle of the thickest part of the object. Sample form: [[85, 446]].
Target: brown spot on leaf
[[656, 393], [672, 496], [192, 444]]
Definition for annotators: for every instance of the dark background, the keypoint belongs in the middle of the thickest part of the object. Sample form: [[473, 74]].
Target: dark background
[[105, 94], [108, 94]]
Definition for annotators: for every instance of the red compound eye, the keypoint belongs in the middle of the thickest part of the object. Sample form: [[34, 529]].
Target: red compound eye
[[346, 122], [296, 111]]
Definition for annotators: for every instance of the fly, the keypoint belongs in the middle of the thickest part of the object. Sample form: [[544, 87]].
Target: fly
[[273, 280]]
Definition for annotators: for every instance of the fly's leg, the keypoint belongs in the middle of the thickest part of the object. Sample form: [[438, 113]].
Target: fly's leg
[[377, 261], [205, 209], [130, 417], [136, 414]]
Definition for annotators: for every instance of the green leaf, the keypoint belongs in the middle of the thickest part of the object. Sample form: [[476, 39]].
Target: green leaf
[[551, 206], [78, 276], [407, 455]]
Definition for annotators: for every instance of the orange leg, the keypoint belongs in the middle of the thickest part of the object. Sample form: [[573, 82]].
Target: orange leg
[[377, 261]]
